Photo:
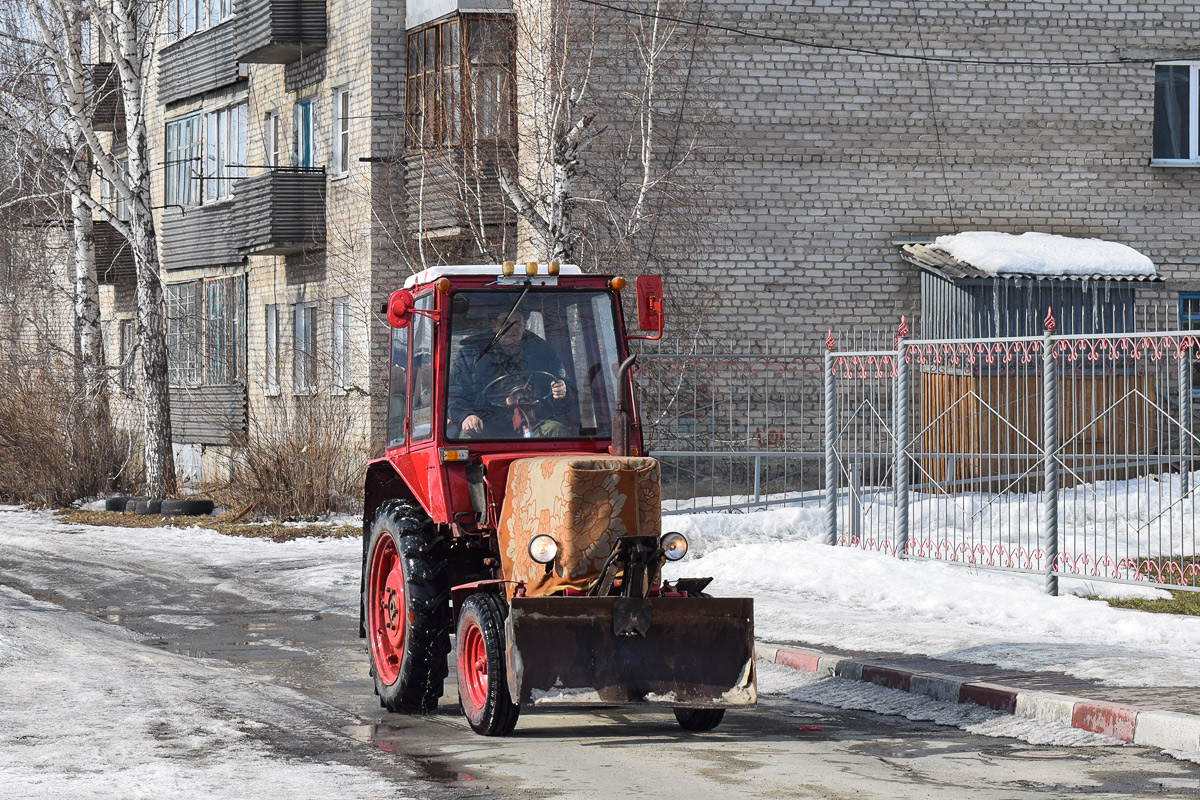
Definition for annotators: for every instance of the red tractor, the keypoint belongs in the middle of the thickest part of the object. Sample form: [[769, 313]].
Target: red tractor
[[515, 508]]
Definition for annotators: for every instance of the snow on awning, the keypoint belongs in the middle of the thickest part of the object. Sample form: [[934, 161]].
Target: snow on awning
[[989, 254]]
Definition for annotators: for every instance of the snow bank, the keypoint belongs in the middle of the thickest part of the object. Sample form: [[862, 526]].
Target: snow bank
[[1035, 253]]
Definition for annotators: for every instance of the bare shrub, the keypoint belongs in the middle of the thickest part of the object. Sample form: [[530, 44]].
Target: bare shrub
[[298, 463], [55, 447]]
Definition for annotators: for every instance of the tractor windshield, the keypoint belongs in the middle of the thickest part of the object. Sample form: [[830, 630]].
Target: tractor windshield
[[549, 372]]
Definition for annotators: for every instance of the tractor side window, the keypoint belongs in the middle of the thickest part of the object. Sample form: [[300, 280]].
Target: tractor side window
[[421, 386], [397, 387]]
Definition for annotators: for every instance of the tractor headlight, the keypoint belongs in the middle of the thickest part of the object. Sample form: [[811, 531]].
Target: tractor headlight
[[543, 549], [674, 546]]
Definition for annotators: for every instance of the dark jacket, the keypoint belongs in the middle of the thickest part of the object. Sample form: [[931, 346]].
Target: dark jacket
[[470, 375]]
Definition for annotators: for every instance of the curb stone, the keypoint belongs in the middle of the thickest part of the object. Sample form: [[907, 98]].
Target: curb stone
[[1166, 730]]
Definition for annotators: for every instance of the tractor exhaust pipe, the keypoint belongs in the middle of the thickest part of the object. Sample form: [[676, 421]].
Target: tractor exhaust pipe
[[620, 420]]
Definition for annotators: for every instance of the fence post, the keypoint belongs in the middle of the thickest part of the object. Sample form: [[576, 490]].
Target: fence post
[[757, 476], [1185, 422], [856, 519], [1050, 458], [900, 443], [831, 468]]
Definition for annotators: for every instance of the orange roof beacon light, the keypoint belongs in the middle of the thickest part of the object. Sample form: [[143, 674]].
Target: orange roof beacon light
[[443, 285], [553, 268], [617, 283], [509, 268], [531, 268]]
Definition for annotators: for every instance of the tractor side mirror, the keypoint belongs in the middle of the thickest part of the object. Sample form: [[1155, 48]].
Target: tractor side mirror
[[650, 305], [400, 308]]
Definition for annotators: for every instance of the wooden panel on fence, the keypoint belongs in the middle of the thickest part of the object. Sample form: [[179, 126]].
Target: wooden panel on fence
[[984, 432]]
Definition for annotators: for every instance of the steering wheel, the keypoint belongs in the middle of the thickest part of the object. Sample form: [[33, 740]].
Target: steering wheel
[[532, 386]]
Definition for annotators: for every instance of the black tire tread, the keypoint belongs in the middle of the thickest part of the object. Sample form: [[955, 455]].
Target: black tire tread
[[186, 507], [699, 719], [424, 667], [501, 713]]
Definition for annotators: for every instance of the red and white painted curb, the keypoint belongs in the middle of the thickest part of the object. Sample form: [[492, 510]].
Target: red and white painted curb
[[1162, 729]]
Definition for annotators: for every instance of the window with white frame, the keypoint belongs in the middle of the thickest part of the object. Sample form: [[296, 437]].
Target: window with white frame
[[271, 378], [341, 131], [224, 151], [304, 347], [341, 343], [182, 163], [271, 138], [1176, 113], [303, 129], [185, 17]]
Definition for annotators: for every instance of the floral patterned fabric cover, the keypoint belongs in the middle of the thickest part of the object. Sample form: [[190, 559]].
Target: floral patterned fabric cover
[[585, 504]]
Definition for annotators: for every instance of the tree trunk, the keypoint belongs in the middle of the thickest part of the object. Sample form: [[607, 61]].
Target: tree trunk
[[87, 307]]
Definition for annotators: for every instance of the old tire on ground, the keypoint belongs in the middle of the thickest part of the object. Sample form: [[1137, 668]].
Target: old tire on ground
[[148, 508], [482, 679], [118, 503], [699, 719], [407, 602], [173, 507]]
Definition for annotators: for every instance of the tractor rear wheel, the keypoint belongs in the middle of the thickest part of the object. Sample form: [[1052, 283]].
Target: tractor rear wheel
[[699, 719], [482, 677], [407, 604]]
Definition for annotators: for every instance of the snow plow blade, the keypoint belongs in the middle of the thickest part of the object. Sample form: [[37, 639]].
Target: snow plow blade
[[672, 651]]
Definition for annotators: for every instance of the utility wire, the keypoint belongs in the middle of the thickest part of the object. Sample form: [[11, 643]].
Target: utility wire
[[937, 128], [990, 62]]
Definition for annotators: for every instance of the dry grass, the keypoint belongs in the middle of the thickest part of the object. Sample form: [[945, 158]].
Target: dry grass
[[1179, 603], [298, 464], [276, 532], [54, 447]]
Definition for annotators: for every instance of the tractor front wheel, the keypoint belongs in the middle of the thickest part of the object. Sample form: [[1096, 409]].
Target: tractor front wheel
[[407, 604], [482, 678]]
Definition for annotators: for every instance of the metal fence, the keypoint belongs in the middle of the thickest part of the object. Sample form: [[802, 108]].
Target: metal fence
[[1060, 455], [733, 431]]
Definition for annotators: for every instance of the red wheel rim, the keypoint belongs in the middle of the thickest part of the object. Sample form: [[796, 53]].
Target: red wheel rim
[[385, 610], [472, 666]]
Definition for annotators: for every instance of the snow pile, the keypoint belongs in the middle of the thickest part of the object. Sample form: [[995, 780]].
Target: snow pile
[[1035, 253]]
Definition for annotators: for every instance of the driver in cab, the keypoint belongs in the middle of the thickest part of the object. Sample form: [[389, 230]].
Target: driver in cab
[[507, 383]]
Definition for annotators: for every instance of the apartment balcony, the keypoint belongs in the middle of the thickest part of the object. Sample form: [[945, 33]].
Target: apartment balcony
[[281, 211], [279, 31], [114, 256], [459, 192], [198, 63], [201, 236], [104, 87]]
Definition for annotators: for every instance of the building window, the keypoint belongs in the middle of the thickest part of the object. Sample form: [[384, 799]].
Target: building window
[[459, 73], [271, 138], [224, 326], [304, 347], [1175, 113], [341, 131], [184, 331], [112, 200], [272, 350], [185, 17], [127, 329], [303, 127], [341, 343], [183, 143], [224, 151]]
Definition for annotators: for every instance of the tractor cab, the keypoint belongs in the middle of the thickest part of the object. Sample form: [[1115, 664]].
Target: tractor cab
[[514, 504]]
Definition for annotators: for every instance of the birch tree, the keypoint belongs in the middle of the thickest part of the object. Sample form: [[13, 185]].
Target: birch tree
[[125, 30]]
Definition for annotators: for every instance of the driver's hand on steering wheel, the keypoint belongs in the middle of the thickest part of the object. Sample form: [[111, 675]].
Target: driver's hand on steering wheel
[[558, 389], [472, 424]]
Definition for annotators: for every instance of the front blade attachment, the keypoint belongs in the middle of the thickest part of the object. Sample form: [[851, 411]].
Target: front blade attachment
[[685, 651]]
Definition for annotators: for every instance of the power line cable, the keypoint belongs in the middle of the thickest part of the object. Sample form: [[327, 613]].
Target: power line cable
[[937, 128], [867, 51]]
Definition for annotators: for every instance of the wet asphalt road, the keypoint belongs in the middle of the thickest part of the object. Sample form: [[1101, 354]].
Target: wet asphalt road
[[781, 749]]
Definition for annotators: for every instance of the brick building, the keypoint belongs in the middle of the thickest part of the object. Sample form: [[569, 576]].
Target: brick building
[[314, 151]]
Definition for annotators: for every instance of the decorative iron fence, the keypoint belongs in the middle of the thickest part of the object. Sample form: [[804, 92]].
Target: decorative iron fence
[[732, 431], [1060, 455]]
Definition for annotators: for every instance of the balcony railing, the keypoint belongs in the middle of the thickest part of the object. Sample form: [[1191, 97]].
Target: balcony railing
[[282, 211], [198, 63], [279, 31], [104, 85], [114, 256], [278, 212]]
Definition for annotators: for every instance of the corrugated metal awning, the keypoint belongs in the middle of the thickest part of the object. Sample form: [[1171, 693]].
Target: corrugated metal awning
[[945, 265]]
